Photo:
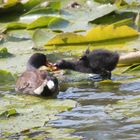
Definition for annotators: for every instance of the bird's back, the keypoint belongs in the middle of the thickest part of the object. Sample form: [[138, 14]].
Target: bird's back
[[28, 81], [103, 59]]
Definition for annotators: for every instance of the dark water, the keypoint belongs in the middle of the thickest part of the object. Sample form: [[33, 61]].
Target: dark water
[[92, 120], [108, 110]]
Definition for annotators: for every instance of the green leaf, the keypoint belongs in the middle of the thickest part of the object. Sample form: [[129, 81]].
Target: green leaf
[[11, 6], [133, 68], [31, 3], [10, 3], [4, 53], [34, 110], [98, 34], [6, 76], [38, 6], [14, 25], [40, 37], [58, 23], [19, 35], [137, 20], [56, 5], [118, 2], [110, 32], [113, 17], [49, 21], [40, 22], [8, 113], [41, 10], [127, 21], [65, 39], [127, 108]]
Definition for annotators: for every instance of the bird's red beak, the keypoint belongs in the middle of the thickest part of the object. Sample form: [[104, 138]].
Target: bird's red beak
[[52, 66]]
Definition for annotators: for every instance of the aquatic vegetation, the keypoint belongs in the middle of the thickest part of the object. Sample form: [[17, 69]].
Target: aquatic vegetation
[[85, 107]]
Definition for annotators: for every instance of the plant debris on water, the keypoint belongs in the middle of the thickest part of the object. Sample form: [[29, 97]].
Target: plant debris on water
[[85, 106]]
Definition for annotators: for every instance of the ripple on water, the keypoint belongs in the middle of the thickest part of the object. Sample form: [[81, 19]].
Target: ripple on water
[[91, 96], [133, 86], [91, 120]]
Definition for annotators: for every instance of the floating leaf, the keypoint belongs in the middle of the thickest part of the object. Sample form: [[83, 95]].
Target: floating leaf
[[41, 7], [31, 3], [110, 32], [8, 113], [41, 10], [56, 5], [40, 22], [49, 21], [126, 108], [6, 76], [135, 67], [40, 37], [98, 34], [58, 23], [66, 38], [118, 2], [19, 35], [14, 25], [4, 52], [113, 17], [36, 111], [11, 6], [127, 21], [137, 20]]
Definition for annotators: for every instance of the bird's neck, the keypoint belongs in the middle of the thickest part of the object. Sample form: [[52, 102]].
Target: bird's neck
[[69, 65], [30, 67]]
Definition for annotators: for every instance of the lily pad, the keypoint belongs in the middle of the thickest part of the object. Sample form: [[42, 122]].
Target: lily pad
[[6, 76], [49, 21], [133, 68], [58, 23], [40, 22], [110, 32], [34, 110], [8, 113], [4, 53], [66, 38], [14, 25], [40, 133], [113, 17], [40, 37], [124, 109], [31, 3], [11, 6], [98, 34], [41, 10], [19, 35]]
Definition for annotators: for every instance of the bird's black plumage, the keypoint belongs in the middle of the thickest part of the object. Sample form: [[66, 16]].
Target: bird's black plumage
[[98, 61]]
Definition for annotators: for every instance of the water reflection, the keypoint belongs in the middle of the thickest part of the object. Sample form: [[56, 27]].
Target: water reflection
[[91, 120], [132, 86]]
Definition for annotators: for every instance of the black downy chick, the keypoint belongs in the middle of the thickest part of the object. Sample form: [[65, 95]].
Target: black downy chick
[[98, 61]]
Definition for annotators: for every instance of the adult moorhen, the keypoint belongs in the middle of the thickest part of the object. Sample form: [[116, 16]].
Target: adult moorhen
[[35, 81]]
